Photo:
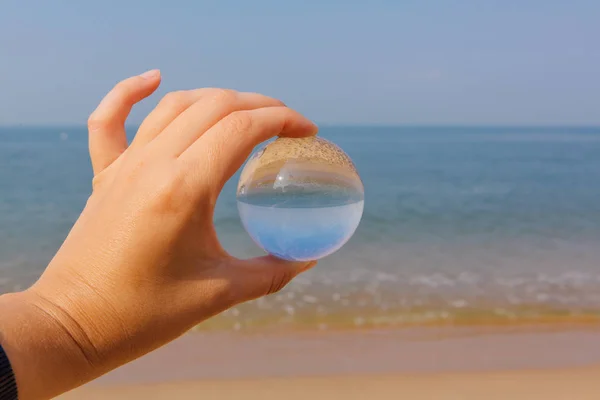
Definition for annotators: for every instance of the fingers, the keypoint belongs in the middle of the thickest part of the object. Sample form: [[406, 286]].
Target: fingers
[[169, 108], [203, 114], [106, 124], [222, 150], [262, 276]]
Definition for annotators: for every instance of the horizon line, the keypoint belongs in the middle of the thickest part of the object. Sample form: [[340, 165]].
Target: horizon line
[[352, 125]]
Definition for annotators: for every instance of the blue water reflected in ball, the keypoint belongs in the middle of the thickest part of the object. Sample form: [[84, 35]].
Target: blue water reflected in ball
[[300, 199]]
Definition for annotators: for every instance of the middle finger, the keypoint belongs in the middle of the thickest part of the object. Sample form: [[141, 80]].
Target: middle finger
[[204, 114]]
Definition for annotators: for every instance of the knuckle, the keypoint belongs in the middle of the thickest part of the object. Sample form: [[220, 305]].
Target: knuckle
[[239, 121], [175, 100], [96, 122], [98, 180], [226, 97], [125, 86], [277, 102], [124, 89]]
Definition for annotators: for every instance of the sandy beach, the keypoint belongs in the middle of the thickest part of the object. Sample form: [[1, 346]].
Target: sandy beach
[[423, 363], [548, 385]]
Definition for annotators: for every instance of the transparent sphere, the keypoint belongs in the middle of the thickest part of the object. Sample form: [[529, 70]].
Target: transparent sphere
[[300, 199]]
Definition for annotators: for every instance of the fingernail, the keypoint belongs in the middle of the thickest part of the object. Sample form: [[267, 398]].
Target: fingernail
[[150, 74]]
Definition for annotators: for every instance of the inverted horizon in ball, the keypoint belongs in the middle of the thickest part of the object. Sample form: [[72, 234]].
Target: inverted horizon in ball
[[300, 199]]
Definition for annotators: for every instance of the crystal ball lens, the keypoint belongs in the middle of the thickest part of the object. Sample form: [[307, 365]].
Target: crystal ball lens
[[300, 199]]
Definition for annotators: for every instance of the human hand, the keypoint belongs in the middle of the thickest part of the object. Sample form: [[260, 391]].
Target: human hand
[[142, 265]]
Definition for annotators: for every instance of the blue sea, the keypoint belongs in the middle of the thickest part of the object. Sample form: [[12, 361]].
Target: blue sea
[[460, 225]]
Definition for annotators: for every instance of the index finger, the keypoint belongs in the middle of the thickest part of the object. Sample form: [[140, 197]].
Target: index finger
[[222, 150]]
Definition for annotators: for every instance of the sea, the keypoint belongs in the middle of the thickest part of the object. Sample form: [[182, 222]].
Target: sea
[[461, 226]]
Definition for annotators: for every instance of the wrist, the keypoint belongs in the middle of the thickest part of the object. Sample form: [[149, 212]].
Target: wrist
[[46, 358]]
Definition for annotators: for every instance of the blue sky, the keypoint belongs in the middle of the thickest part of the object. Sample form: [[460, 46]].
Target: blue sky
[[338, 62]]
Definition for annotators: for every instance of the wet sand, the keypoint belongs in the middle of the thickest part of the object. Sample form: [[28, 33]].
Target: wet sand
[[424, 363]]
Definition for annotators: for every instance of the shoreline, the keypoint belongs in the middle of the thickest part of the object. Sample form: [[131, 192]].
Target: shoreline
[[350, 322]]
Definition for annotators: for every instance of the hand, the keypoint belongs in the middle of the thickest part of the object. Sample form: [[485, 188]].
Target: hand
[[143, 264]]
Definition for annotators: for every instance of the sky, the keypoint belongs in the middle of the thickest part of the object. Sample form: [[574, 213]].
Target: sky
[[462, 62]]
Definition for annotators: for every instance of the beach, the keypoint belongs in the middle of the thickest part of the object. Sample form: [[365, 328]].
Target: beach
[[433, 363], [547, 385]]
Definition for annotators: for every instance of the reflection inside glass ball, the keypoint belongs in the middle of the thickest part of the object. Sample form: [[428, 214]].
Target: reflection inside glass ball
[[300, 199]]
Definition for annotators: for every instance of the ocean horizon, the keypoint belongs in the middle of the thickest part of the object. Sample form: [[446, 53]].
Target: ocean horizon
[[462, 225]]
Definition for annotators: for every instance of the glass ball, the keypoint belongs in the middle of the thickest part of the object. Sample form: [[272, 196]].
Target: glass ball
[[300, 199]]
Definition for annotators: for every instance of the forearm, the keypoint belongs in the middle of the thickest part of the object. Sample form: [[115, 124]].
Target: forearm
[[45, 358]]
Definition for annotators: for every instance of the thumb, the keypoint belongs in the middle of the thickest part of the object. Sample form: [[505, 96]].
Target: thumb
[[262, 276]]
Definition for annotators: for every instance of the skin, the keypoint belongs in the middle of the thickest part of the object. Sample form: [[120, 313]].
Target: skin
[[142, 264]]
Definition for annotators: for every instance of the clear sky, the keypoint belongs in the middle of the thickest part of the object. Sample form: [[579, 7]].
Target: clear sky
[[338, 61]]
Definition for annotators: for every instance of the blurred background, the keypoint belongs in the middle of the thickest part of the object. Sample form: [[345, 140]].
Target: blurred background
[[474, 126]]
